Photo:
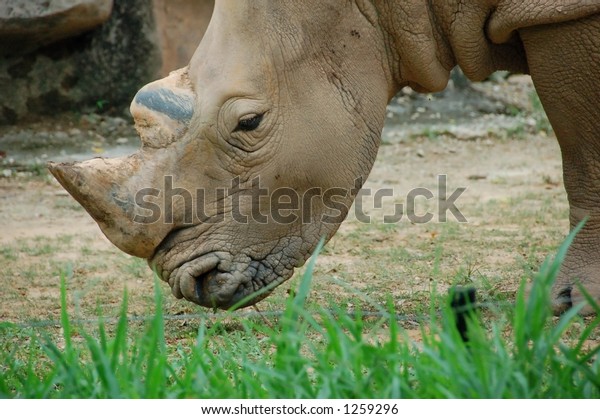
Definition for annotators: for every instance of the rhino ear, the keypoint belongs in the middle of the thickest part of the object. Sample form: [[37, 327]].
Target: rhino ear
[[162, 110]]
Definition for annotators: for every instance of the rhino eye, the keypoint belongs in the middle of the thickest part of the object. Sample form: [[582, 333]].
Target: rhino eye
[[249, 124]]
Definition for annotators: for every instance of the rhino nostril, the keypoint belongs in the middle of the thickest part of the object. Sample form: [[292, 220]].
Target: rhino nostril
[[202, 282], [199, 292]]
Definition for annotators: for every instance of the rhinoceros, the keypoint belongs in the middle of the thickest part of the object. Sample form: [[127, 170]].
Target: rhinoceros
[[285, 99]]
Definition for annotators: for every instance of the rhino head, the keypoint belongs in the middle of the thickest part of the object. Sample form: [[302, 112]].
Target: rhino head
[[250, 154]]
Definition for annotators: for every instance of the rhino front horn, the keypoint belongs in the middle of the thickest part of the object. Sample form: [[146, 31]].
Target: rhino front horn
[[104, 188]]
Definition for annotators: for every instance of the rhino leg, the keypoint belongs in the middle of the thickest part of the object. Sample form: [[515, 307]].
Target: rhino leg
[[564, 64]]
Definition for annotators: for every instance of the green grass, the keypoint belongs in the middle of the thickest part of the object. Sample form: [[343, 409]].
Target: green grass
[[521, 352]]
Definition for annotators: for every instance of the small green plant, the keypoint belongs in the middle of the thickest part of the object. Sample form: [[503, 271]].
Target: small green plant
[[8, 253], [101, 103], [516, 132], [513, 110], [39, 249], [37, 169], [136, 267]]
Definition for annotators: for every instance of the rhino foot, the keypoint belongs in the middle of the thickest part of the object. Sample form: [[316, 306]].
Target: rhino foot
[[567, 289]]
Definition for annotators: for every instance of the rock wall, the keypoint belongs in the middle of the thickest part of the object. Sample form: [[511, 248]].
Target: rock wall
[[103, 68], [180, 24]]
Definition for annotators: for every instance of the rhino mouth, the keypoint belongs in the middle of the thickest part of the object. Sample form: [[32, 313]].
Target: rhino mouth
[[216, 280], [214, 277], [206, 281]]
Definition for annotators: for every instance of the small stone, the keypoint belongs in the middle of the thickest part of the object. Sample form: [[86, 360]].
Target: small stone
[[118, 121], [6, 173], [576, 326], [122, 140], [420, 153], [61, 136], [98, 139]]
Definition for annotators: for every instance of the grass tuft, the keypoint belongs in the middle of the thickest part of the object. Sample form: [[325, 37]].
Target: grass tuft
[[521, 353]]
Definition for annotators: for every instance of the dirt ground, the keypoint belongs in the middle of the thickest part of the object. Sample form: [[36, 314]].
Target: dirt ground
[[494, 144]]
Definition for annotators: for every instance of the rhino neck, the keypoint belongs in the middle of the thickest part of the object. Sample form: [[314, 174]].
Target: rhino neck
[[418, 51], [426, 39]]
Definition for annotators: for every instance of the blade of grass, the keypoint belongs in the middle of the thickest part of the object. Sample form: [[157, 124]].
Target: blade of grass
[[119, 347]]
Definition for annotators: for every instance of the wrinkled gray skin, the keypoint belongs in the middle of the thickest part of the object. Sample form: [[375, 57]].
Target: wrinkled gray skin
[[321, 73]]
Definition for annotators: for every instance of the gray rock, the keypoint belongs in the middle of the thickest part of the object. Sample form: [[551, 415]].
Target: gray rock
[[101, 69], [26, 25], [109, 63]]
